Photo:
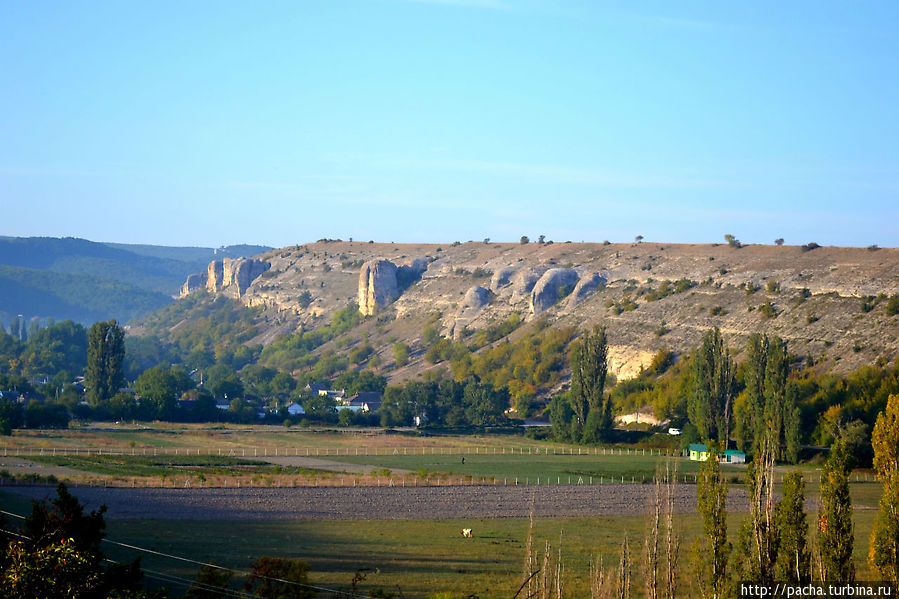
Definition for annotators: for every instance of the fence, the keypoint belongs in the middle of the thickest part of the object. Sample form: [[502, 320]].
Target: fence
[[269, 451], [321, 478]]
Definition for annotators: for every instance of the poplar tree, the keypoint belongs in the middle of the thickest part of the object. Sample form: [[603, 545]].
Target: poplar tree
[[764, 541], [771, 407], [884, 553], [589, 366], [710, 403], [105, 359], [711, 550], [835, 530], [793, 558]]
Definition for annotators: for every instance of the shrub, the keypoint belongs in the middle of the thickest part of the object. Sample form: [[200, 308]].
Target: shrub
[[304, 299], [892, 307]]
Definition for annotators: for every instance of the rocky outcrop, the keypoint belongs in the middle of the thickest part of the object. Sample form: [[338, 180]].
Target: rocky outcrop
[[475, 298], [501, 277], [548, 289], [239, 274], [193, 282], [214, 274], [524, 280], [416, 265], [377, 285], [586, 287], [230, 276]]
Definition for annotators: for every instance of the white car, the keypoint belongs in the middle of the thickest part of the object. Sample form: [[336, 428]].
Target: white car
[[674, 431]]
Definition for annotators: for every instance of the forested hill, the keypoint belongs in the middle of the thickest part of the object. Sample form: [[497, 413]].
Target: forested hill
[[47, 277]]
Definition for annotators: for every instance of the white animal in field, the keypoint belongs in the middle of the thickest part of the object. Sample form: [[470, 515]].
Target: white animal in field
[[466, 532]]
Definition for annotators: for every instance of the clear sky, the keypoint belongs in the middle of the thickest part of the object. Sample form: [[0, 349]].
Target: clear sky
[[210, 123]]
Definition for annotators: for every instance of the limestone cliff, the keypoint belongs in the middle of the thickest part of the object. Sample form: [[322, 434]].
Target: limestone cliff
[[214, 274], [524, 280], [476, 297], [586, 287], [377, 285], [229, 276], [548, 289], [829, 303], [193, 282], [501, 278]]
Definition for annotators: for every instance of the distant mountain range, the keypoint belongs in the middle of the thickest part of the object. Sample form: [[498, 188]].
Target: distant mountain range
[[60, 278]]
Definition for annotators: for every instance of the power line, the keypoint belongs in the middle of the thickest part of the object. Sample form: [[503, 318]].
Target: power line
[[162, 576], [193, 561]]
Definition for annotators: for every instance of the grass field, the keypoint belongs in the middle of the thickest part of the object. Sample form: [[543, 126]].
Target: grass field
[[134, 455], [556, 468], [419, 557]]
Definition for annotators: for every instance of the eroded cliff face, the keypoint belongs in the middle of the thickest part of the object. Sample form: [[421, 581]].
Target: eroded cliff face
[[232, 277], [377, 285], [193, 282], [551, 287], [650, 296]]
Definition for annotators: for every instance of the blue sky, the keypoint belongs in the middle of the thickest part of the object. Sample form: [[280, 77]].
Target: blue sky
[[209, 123]]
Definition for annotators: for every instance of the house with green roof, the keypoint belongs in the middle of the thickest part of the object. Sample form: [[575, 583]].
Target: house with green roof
[[733, 456], [699, 452]]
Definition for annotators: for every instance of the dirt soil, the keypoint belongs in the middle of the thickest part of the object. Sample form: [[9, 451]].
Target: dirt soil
[[379, 503], [19, 465], [329, 465]]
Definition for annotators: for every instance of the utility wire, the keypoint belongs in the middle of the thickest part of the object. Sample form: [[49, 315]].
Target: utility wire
[[238, 572], [162, 575]]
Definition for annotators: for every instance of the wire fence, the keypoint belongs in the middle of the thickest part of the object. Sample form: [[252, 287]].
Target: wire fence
[[312, 474], [362, 450]]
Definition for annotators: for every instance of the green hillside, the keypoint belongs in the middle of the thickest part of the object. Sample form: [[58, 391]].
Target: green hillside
[[86, 280], [83, 298]]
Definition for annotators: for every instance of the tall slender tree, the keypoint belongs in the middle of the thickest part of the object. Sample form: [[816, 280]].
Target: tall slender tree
[[884, 553], [589, 366], [105, 359], [771, 414], [764, 539], [712, 550], [793, 560], [835, 530], [710, 403]]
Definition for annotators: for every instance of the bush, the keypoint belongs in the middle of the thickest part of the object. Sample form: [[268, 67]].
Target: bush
[[767, 310], [892, 307]]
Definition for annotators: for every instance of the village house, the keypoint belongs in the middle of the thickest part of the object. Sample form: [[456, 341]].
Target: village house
[[699, 452]]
